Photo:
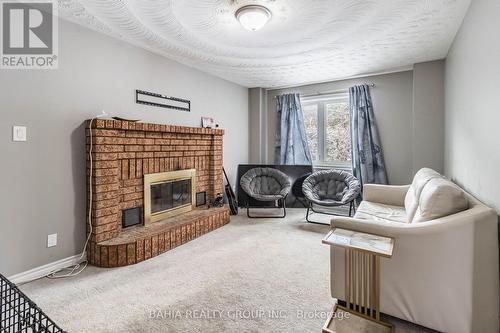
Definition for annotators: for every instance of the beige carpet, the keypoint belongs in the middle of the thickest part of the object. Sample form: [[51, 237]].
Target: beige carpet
[[258, 275]]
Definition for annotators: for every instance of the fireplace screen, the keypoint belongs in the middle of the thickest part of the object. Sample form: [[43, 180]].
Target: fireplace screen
[[170, 194], [167, 194]]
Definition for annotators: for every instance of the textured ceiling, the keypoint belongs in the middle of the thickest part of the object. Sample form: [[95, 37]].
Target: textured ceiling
[[305, 41]]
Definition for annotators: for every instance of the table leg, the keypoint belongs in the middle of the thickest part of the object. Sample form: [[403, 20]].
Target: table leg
[[362, 283]]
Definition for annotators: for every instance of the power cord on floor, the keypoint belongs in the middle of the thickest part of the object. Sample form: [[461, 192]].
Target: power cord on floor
[[78, 268]]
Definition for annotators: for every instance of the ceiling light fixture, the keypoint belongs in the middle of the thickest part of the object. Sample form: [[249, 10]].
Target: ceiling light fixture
[[253, 17]]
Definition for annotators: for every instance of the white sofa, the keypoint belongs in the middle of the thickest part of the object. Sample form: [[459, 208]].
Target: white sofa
[[444, 273]]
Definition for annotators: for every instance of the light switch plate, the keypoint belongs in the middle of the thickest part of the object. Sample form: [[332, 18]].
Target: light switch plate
[[51, 240], [19, 133]]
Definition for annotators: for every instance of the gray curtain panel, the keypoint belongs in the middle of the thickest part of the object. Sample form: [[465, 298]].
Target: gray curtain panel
[[291, 141], [367, 158]]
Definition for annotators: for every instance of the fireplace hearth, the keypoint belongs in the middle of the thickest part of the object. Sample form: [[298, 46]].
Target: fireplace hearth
[[156, 169]]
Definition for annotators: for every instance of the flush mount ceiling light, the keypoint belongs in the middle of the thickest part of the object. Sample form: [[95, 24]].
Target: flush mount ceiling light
[[253, 17]]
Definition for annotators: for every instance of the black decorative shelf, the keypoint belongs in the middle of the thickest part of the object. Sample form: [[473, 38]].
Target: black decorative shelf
[[163, 101]]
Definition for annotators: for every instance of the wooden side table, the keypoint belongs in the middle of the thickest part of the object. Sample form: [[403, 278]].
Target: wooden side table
[[362, 277]]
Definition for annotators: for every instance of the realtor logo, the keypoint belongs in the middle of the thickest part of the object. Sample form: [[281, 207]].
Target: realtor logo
[[29, 35]]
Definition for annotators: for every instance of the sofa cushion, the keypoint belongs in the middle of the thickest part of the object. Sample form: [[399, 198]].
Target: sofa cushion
[[379, 212], [439, 198], [413, 195]]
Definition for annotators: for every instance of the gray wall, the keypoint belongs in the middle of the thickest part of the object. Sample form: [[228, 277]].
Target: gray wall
[[43, 180], [472, 84], [392, 98], [409, 109], [257, 99], [428, 116]]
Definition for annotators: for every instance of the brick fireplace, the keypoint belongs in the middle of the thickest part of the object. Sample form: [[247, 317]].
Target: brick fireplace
[[123, 153]]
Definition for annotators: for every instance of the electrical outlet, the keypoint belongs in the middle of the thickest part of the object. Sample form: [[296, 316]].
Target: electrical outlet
[[19, 133], [51, 240]]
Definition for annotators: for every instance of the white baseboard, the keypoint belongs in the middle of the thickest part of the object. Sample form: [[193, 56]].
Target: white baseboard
[[41, 271]]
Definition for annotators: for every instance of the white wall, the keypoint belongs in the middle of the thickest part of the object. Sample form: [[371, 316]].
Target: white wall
[[472, 116], [43, 180]]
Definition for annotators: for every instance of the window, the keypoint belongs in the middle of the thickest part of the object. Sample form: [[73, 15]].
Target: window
[[327, 124]]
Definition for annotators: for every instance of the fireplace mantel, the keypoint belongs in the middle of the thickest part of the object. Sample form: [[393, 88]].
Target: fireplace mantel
[[123, 152]]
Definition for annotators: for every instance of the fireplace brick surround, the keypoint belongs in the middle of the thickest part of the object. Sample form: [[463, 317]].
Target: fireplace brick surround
[[123, 152]]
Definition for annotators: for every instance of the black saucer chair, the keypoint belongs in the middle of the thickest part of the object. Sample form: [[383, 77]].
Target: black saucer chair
[[330, 188], [266, 184]]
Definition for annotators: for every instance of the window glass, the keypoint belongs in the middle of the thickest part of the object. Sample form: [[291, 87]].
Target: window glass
[[338, 133], [311, 124], [327, 124]]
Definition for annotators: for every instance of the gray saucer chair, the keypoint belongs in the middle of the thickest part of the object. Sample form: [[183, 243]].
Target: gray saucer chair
[[330, 188], [266, 184]]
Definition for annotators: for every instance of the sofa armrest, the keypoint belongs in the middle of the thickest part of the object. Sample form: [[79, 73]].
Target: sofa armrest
[[385, 194], [441, 225], [380, 228]]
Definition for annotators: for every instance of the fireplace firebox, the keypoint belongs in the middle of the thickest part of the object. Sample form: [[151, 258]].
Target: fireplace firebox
[[167, 194]]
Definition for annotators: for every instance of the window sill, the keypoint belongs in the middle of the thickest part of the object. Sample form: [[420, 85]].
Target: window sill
[[321, 166]]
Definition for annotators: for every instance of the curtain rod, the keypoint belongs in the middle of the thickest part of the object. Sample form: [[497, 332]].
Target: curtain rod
[[329, 92]]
